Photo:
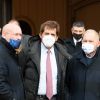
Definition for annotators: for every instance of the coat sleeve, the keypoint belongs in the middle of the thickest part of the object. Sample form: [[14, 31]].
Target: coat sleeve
[[5, 89], [67, 80]]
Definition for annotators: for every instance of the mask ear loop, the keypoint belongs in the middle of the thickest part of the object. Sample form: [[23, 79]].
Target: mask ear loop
[[18, 50]]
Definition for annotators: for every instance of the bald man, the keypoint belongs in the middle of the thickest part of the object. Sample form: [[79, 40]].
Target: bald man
[[83, 73], [11, 86]]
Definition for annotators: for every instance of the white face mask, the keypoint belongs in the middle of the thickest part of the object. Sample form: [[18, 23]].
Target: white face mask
[[48, 40], [88, 48]]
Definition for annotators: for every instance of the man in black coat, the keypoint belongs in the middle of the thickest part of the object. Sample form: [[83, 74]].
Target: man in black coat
[[11, 86], [73, 44], [83, 73], [35, 71]]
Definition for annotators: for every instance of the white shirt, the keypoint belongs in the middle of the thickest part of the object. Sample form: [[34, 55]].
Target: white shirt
[[42, 81], [75, 41]]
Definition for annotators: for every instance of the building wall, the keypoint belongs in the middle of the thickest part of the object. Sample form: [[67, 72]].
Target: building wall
[[35, 12], [91, 16], [87, 11]]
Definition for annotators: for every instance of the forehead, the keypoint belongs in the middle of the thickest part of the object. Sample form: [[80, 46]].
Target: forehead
[[12, 28], [16, 30], [78, 28], [47, 29], [90, 36]]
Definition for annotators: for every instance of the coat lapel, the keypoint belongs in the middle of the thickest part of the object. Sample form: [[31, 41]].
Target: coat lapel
[[57, 54], [35, 54]]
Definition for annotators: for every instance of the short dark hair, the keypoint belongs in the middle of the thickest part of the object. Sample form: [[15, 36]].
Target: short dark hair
[[51, 25], [78, 24]]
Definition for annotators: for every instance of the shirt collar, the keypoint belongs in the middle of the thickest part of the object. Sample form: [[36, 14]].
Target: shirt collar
[[75, 41], [44, 49]]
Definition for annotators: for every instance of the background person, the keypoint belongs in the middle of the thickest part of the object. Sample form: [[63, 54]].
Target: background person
[[73, 44]]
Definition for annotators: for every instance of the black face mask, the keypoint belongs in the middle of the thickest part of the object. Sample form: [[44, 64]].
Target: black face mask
[[77, 36]]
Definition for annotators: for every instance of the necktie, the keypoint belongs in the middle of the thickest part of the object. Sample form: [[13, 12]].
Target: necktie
[[49, 87], [78, 44]]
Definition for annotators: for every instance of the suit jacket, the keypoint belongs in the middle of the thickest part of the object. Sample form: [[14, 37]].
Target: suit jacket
[[32, 70], [71, 48]]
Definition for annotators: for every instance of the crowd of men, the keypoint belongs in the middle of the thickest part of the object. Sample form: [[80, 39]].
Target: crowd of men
[[46, 67]]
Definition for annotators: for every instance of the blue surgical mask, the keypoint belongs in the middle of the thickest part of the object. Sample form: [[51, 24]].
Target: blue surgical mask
[[15, 43]]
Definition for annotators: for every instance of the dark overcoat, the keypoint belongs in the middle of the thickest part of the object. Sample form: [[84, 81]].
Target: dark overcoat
[[32, 70], [11, 86], [83, 77], [70, 46]]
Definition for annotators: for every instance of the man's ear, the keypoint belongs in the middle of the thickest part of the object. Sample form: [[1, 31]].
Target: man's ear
[[56, 38], [72, 30], [4, 34], [83, 31], [98, 44], [40, 35]]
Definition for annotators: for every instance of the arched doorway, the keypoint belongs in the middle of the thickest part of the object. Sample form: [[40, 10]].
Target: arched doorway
[[26, 28]]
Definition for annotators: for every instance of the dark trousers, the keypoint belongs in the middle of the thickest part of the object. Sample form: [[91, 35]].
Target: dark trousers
[[40, 97]]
